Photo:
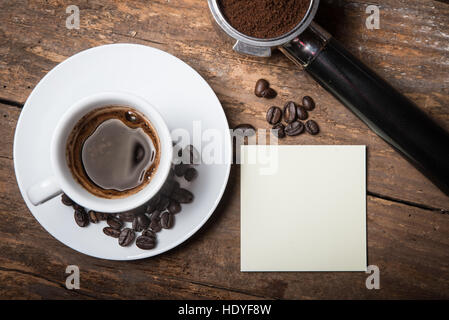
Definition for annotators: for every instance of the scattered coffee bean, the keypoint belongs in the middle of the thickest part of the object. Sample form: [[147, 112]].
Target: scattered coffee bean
[[193, 155], [301, 113], [96, 217], [126, 237], [81, 218], [261, 86], [171, 174], [111, 232], [312, 127], [152, 204], [308, 103], [182, 195], [180, 169], [174, 207], [155, 224], [290, 112], [191, 174], [167, 220], [169, 186], [76, 206], [66, 200], [245, 130], [148, 233], [92, 217], [295, 128], [163, 203], [140, 222], [145, 243], [274, 115], [114, 222], [279, 130], [156, 214], [126, 216], [269, 93], [150, 221]]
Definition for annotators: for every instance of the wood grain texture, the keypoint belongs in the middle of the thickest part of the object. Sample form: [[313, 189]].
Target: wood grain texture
[[408, 243], [410, 49]]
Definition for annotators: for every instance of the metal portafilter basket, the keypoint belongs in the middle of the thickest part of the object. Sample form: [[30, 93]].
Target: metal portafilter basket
[[387, 112]]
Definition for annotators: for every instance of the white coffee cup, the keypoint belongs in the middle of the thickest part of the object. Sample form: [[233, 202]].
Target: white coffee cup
[[62, 179]]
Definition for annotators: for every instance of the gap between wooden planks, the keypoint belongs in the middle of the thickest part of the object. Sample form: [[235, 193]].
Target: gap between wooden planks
[[405, 51], [409, 245]]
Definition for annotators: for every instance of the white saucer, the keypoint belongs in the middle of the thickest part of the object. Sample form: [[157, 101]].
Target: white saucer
[[181, 96]]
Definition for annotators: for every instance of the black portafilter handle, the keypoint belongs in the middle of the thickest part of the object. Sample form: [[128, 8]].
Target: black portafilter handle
[[387, 112]]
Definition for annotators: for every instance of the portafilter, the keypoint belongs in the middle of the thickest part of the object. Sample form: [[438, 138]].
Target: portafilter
[[385, 110]]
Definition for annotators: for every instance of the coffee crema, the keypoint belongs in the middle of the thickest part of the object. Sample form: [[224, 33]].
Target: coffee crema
[[113, 151]]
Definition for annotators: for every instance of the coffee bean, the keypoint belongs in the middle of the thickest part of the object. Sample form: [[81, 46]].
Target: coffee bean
[[261, 86], [126, 216], [155, 224], [155, 215], [191, 174], [152, 204], [163, 203], [140, 222], [76, 206], [145, 243], [245, 130], [66, 200], [81, 218], [189, 155], [171, 174], [279, 130], [194, 156], [168, 187], [167, 220], [290, 112], [312, 127], [126, 237], [174, 207], [274, 115], [182, 196], [308, 103], [111, 232], [301, 113], [96, 217], [148, 233], [295, 128], [269, 93], [180, 169], [114, 222]]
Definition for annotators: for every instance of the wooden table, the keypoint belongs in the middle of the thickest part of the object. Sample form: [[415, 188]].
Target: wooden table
[[408, 221]]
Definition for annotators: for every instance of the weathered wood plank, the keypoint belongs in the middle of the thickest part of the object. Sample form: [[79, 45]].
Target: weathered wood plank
[[9, 116], [408, 244], [409, 49]]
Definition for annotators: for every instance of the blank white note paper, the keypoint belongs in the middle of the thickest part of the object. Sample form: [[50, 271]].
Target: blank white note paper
[[303, 208]]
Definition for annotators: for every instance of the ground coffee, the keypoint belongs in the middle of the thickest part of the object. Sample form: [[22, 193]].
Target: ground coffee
[[264, 19]]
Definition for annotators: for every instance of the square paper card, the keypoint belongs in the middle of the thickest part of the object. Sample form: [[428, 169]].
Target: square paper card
[[303, 208]]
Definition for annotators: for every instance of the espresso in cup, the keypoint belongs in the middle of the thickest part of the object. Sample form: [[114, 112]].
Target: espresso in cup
[[113, 151]]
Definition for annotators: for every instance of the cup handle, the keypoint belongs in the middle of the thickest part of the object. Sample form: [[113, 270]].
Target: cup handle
[[43, 191]]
